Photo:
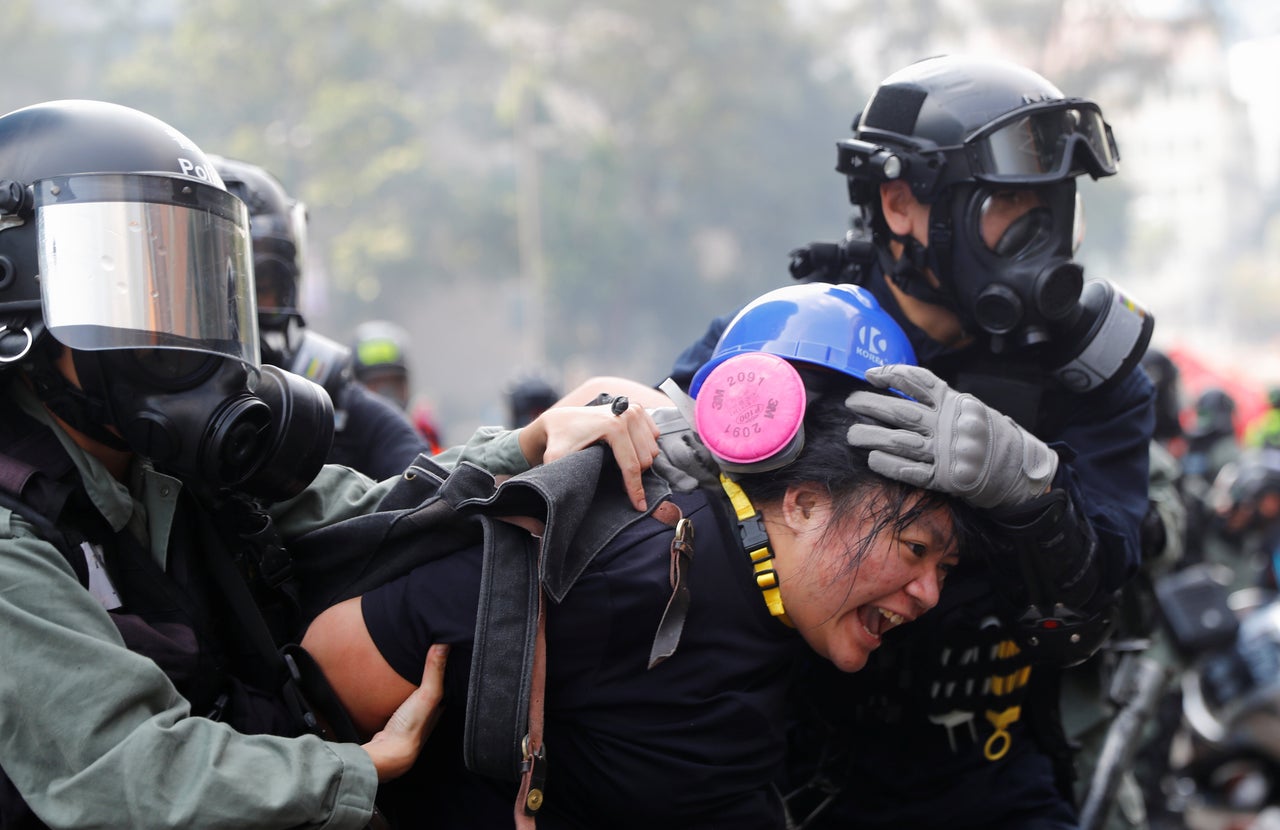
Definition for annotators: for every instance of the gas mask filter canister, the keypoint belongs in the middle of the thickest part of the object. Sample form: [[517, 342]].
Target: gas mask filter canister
[[210, 420]]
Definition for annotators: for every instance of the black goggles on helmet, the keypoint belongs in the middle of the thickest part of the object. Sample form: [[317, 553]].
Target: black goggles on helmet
[[1043, 143], [1040, 143]]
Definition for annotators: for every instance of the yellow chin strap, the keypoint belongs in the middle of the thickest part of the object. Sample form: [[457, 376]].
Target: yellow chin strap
[[756, 543]]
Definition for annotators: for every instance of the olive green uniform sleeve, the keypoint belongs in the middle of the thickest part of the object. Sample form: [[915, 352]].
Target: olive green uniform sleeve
[[495, 449], [93, 735], [339, 492]]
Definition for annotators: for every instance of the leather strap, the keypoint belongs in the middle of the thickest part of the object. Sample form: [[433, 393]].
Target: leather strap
[[533, 770], [672, 624]]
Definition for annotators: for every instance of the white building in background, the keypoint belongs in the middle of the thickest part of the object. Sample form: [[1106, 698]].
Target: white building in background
[[1253, 66], [1184, 225], [1188, 161], [1198, 165]]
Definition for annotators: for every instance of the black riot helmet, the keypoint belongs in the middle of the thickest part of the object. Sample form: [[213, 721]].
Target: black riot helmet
[[278, 228], [1215, 414], [965, 134], [119, 243], [1164, 376]]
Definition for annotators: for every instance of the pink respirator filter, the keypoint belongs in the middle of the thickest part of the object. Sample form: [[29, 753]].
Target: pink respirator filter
[[750, 410]]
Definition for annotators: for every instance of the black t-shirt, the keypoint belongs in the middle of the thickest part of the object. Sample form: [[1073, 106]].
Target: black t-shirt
[[694, 742]]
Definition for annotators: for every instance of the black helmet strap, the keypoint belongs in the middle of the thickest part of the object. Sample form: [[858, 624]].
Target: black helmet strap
[[908, 271], [81, 411]]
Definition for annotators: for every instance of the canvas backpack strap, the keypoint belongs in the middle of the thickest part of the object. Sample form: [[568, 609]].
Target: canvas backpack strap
[[533, 753], [533, 767], [503, 735], [502, 659]]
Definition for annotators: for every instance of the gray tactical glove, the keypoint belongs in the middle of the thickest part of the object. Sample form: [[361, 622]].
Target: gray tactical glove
[[683, 460], [948, 441]]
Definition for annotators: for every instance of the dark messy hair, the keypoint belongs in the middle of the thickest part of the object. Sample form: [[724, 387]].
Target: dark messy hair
[[857, 492]]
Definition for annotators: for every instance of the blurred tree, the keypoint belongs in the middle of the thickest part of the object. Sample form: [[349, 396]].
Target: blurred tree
[[353, 110], [682, 151], [678, 152], [35, 67]]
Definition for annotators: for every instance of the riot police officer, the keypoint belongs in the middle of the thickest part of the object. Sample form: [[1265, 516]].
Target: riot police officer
[[152, 475], [963, 173], [371, 434], [137, 429]]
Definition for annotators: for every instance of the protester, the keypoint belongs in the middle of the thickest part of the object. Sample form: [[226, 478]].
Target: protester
[[691, 736]]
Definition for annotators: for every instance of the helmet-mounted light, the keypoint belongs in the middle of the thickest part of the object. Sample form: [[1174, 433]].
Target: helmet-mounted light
[[874, 163], [854, 157]]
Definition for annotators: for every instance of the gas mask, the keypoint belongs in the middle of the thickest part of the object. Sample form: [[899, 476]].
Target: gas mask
[[1010, 274], [212, 420], [280, 325], [147, 279], [1017, 285], [1015, 174]]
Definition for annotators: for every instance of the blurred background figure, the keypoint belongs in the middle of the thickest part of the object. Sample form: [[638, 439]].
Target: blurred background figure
[[528, 396], [1264, 429], [1245, 505], [380, 351], [1211, 438], [1164, 375], [381, 360], [371, 434], [1211, 444], [425, 421]]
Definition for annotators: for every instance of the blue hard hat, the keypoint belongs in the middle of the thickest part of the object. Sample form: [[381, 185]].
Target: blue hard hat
[[840, 327]]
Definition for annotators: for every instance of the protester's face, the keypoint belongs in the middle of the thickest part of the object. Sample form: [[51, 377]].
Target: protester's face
[[844, 609]]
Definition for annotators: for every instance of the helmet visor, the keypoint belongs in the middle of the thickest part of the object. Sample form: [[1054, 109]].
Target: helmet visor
[[146, 261], [1045, 144]]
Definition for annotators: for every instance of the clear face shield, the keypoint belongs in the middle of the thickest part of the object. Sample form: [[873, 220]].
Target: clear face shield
[[137, 261], [148, 279], [298, 221]]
